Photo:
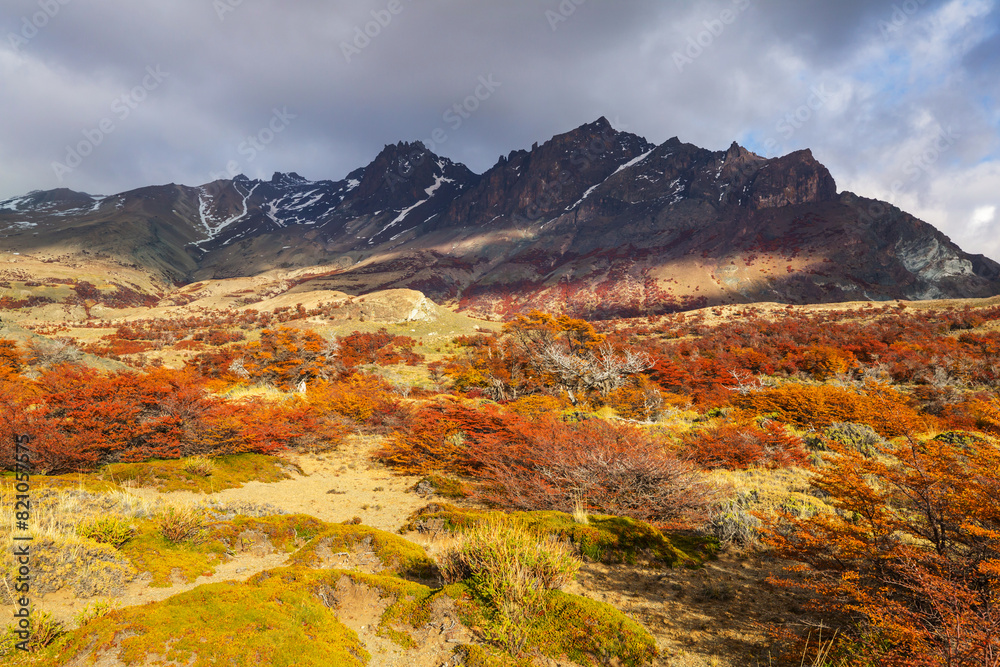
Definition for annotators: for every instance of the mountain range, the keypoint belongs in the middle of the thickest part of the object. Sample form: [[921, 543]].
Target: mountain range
[[595, 222]]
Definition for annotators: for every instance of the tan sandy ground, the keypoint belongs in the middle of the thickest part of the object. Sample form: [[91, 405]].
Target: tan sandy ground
[[337, 486]]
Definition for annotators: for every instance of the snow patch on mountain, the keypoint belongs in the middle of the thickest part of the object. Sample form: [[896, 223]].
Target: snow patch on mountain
[[213, 226]]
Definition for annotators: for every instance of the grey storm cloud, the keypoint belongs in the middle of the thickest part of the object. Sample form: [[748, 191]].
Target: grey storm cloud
[[898, 98]]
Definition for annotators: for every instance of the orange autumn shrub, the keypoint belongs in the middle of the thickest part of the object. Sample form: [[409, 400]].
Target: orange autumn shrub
[[79, 419], [909, 559], [264, 427], [536, 405], [12, 360], [881, 407], [110, 416], [379, 347], [22, 412], [283, 356], [971, 413], [444, 436], [367, 400], [823, 361], [987, 415], [641, 400], [547, 463]]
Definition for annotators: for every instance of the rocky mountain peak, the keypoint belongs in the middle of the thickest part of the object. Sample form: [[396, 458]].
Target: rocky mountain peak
[[796, 178]]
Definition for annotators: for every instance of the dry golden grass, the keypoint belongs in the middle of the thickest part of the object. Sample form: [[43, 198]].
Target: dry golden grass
[[772, 489], [263, 391], [57, 512], [62, 557]]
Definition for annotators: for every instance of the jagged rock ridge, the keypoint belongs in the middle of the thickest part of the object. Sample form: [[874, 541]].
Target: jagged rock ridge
[[595, 221]]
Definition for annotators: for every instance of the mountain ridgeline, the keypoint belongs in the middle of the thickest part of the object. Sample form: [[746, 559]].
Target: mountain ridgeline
[[594, 222]]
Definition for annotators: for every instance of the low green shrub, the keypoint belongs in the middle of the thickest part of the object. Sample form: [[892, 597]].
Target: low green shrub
[[43, 631], [179, 525], [862, 438], [112, 530]]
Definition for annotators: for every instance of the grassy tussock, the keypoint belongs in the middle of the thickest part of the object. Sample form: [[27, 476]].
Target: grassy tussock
[[510, 570]]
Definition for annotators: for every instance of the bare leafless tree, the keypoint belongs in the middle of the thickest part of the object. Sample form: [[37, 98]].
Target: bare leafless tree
[[746, 382], [603, 370]]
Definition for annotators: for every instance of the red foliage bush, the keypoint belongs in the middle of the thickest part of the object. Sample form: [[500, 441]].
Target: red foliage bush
[[536, 405], [283, 357], [79, 418], [641, 401], [442, 436], [911, 557], [380, 348], [551, 464], [12, 360], [743, 446], [264, 427], [608, 468]]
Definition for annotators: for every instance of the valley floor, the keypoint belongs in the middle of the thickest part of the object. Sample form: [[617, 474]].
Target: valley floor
[[713, 616]]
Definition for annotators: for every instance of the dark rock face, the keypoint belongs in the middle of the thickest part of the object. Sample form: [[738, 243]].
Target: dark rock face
[[796, 178], [595, 222]]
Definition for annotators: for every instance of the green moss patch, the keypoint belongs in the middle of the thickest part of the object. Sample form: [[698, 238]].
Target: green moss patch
[[394, 554], [609, 539], [285, 616], [185, 560], [315, 541], [283, 532], [583, 630], [448, 487], [275, 618], [408, 602], [288, 616], [151, 552], [229, 472]]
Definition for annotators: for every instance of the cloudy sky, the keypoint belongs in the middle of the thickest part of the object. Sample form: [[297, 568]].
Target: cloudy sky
[[899, 98]]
